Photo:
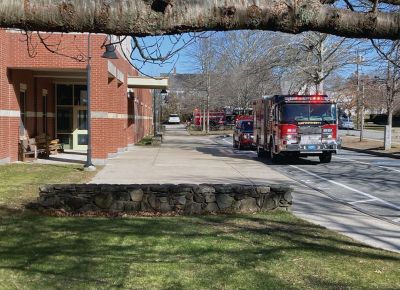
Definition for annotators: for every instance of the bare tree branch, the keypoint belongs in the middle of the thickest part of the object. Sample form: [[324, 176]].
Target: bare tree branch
[[144, 17], [387, 55], [349, 5], [52, 43]]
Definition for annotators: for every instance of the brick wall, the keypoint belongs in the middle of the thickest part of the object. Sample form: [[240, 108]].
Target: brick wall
[[18, 65], [4, 121]]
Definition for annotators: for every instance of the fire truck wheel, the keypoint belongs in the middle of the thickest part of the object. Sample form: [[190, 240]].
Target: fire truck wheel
[[325, 157], [274, 157], [294, 156], [260, 152]]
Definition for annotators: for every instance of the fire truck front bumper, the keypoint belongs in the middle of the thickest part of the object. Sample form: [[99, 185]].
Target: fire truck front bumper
[[311, 148], [246, 142]]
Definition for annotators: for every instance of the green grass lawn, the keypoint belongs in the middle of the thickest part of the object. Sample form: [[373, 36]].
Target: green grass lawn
[[261, 251], [145, 141], [19, 183]]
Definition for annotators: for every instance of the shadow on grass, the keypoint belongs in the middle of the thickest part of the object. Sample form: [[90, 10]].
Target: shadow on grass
[[230, 252]]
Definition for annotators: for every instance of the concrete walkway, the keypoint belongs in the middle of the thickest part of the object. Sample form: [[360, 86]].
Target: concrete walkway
[[202, 159], [186, 159], [67, 157]]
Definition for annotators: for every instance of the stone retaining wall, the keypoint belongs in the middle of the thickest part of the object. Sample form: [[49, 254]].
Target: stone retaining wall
[[189, 199]]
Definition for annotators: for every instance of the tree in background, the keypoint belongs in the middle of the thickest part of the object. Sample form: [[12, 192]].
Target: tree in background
[[233, 69], [312, 57], [247, 60]]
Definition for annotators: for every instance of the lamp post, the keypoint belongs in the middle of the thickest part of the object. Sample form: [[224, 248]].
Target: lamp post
[[163, 96], [154, 114], [109, 54], [89, 165], [157, 111]]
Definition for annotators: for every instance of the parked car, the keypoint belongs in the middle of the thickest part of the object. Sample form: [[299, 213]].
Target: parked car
[[243, 134], [346, 123], [174, 119]]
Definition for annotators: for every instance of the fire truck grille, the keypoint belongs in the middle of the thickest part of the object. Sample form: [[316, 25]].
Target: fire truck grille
[[310, 139], [308, 130]]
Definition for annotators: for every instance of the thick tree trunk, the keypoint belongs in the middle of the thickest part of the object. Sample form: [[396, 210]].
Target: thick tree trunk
[[320, 71], [320, 87], [388, 133], [156, 17]]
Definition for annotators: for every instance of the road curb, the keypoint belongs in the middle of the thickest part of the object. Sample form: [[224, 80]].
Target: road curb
[[380, 154]]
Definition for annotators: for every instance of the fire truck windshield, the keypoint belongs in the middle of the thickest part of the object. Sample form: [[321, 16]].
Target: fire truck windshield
[[293, 113], [247, 126]]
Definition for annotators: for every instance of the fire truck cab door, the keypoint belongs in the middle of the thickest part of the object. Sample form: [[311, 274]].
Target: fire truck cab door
[[274, 124]]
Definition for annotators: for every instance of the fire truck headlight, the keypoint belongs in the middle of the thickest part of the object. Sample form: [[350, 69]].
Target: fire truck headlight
[[287, 137], [327, 130]]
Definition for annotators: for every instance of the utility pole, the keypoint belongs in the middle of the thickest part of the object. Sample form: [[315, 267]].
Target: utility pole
[[360, 98], [154, 114], [362, 112], [358, 89], [208, 103]]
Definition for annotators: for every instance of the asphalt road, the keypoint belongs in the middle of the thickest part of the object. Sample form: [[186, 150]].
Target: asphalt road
[[364, 182]]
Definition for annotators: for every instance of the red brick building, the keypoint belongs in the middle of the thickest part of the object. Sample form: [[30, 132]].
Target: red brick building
[[44, 92]]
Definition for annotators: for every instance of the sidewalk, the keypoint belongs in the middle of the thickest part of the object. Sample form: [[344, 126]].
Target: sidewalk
[[186, 159], [370, 146]]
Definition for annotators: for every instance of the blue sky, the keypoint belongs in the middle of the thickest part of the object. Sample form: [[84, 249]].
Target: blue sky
[[181, 60]]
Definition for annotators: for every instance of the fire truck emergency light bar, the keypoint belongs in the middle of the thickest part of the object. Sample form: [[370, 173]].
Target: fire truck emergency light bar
[[307, 98]]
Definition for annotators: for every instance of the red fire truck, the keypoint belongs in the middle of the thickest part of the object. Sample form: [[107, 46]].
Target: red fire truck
[[216, 118], [226, 116], [296, 125]]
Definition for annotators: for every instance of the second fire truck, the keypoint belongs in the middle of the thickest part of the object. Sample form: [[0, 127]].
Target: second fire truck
[[296, 125]]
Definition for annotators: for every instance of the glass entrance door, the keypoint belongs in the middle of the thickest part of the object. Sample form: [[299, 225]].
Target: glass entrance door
[[72, 116], [80, 133]]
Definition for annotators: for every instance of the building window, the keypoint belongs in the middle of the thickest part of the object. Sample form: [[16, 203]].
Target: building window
[[64, 120], [80, 95], [65, 95]]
